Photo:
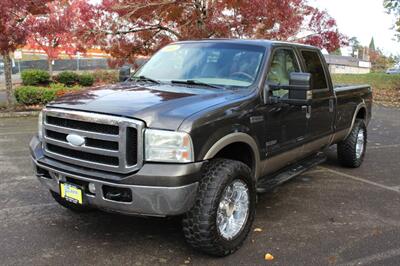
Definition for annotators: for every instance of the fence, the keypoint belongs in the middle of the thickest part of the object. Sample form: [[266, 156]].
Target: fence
[[62, 64]]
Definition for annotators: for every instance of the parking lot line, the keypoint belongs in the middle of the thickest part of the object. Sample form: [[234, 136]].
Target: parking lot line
[[384, 146], [361, 180], [374, 258]]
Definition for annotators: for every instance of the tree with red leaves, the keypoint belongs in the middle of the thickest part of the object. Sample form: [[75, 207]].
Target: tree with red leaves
[[140, 27], [13, 31], [62, 29]]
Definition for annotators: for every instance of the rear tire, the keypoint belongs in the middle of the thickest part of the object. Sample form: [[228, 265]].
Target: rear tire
[[70, 206], [224, 210], [351, 151]]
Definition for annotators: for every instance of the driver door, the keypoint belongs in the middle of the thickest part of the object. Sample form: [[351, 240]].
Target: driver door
[[286, 125]]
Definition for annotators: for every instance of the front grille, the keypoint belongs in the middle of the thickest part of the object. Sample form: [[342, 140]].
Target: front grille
[[111, 143], [90, 157]]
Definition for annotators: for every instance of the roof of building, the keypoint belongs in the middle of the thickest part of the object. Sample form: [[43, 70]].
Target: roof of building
[[342, 60]]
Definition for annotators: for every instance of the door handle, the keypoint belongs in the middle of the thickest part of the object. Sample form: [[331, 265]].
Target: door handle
[[331, 105], [307, 108]]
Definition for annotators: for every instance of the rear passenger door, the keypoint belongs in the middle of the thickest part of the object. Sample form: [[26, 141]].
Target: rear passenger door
[[321, 117]]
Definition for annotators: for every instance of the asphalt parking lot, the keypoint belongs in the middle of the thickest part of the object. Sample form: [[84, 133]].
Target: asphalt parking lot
[[329, 215]]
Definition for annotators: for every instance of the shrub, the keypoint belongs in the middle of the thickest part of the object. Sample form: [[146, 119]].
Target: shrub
[[86, 79], [31, 95], [68, 78], [58, 86], [35, 77], [106, 76]]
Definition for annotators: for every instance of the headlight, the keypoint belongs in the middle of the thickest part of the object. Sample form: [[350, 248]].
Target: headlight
[[40, 126], [168, 146]]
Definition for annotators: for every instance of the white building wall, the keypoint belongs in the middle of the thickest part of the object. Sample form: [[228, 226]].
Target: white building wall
[[338, 69]]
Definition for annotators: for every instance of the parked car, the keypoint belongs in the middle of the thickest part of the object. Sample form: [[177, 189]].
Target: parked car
[[393, 71], [198, 131], [1, 67]]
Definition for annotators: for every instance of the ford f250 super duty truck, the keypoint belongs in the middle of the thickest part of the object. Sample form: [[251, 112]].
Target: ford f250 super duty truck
[[198, 131]]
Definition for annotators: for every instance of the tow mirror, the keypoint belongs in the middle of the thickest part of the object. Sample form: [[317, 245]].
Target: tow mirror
[[300, 85]]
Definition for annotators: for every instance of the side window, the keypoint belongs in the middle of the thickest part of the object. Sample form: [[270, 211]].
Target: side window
[[315, 68], [283, 63]]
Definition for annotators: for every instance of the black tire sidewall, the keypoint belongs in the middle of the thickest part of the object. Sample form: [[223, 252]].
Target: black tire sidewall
[[200, 223], [347, 148]]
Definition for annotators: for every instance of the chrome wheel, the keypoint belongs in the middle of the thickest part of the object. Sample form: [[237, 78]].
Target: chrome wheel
[[233, 209], [360, 143]]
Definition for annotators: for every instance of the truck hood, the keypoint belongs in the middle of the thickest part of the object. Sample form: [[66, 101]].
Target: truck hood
[[163, 106]]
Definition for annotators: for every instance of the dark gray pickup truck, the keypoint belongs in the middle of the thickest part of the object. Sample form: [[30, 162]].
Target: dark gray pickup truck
[[198, 131]]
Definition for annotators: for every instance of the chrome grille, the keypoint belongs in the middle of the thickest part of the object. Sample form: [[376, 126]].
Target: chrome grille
[[112, 143]]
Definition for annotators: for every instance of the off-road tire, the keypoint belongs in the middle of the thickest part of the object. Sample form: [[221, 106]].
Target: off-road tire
[[346, 149], [69, 205], [200, 225]]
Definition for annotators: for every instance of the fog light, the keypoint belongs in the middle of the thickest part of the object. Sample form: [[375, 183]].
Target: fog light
[[92, 188]]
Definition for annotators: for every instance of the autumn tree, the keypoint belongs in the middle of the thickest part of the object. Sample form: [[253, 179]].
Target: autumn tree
[[62, 30], [379, 61], [393, 7], [130, 28], [14, 31]]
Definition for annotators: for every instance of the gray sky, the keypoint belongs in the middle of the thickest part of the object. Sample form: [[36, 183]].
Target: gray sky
[[362, 19]]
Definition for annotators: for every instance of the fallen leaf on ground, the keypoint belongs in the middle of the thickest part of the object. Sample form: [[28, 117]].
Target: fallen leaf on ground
[[268, 256], [257, 230]]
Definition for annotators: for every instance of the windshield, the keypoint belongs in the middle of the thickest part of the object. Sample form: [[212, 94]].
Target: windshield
[[219, 64]]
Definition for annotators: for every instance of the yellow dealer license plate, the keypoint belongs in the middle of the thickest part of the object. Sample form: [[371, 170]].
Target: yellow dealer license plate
[[71, 193]]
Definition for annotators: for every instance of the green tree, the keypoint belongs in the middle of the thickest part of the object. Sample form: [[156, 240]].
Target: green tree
[[336, 52], [393, 7], [355, 46], [372, 44]]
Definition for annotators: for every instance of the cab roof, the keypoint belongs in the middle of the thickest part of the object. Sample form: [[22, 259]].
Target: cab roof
[[258, 42]]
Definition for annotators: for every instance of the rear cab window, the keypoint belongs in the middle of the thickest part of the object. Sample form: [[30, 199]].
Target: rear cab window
[[313, 65]]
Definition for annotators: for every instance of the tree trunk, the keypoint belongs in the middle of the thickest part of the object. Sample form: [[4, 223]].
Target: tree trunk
[[50, 62], [8, 79]]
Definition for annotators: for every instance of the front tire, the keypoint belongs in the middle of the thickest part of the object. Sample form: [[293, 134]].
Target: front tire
[[224, 210], [351, 151]]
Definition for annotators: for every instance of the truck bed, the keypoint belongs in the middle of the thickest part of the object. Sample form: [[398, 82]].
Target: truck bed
[[349, 98]]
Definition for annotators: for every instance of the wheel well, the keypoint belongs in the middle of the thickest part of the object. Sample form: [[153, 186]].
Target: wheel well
[[238, 151], [361, 114]]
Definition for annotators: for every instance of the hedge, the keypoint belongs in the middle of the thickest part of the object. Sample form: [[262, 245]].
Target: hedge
[[33, 95], [35, 77], [105, 76], [68, 78], [86, 79]]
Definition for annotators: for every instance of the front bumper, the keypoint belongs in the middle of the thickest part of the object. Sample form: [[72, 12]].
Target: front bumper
[[156, 189]]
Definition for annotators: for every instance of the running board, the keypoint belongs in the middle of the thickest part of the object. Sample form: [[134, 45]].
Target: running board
[[269, 182]]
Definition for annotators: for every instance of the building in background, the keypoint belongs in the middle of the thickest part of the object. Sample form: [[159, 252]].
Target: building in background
[[347, 65]]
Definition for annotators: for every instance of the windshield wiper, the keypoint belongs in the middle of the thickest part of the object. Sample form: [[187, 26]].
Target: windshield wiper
[[144, 78], [196, 82]]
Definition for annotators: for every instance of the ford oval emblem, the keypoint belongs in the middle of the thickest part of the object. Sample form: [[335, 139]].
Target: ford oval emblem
[[75, 140]]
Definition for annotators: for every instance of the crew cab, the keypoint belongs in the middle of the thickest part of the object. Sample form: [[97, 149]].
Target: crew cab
[[198, 131]]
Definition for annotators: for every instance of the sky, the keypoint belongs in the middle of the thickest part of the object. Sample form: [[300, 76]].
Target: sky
[[363, 19]]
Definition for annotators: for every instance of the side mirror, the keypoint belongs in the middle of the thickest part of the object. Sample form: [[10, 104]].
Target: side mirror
[[124, 73], [300, 85]]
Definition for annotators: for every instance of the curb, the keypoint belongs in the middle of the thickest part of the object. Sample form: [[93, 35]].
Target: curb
[[19, 114]]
